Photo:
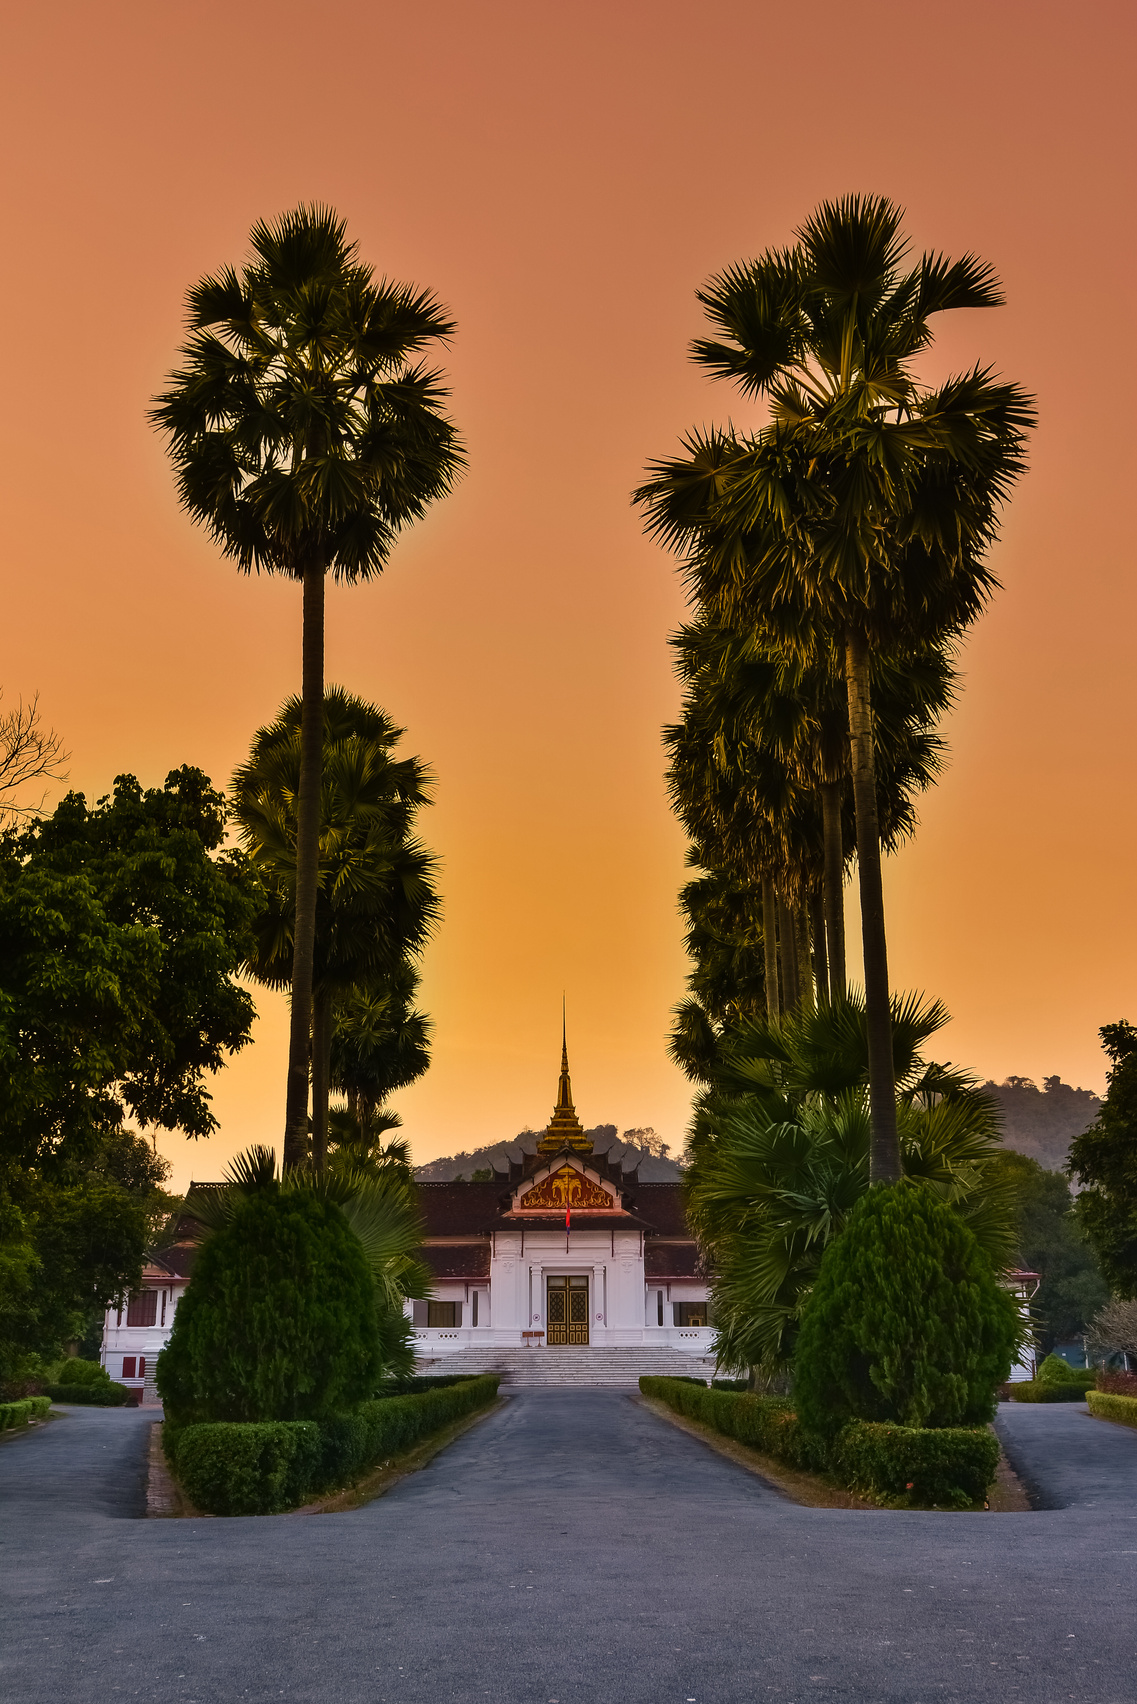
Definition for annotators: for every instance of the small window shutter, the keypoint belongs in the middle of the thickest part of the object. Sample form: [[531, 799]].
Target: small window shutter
[[457, 1313], [678, 1306], [142, 1366], [128, 1367], [474, 1308], [421, 1312], [659, 1299]]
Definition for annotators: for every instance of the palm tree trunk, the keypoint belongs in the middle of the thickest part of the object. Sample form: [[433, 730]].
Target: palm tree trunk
[[307, 864], [787, 952], [804, 965], [770, 946], [820, 959], [834, 887], [321, 1075], [884, 1160]]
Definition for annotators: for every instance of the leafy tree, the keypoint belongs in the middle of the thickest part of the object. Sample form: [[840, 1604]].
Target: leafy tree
[[1051, 1242], [779, 1159], [121, 928], [306, 435], [862, 515], [907, 1321], [73, 1239], [375, 902], [1104, 1160]]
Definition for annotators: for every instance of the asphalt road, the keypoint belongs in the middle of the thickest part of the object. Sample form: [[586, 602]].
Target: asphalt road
[[571, 1549]]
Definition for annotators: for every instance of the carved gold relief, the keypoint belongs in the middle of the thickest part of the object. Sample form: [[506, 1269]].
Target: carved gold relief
[[566, 1188]]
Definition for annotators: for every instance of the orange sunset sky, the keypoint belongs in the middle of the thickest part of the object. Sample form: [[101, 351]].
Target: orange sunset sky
[[564, 177]]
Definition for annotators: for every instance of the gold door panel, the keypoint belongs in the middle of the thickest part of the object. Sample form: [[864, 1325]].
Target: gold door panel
[[566, 1312]]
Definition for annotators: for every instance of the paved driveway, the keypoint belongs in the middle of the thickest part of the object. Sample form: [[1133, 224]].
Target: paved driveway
[[571, 1549]]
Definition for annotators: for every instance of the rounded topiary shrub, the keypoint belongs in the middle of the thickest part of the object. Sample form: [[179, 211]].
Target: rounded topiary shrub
[[77, 1372], [907, 1321], [278, 1321]]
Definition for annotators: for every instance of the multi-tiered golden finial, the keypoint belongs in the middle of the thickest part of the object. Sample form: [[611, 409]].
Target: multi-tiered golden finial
[[565, 1129]]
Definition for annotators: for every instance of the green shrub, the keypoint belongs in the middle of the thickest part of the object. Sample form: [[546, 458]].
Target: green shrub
[[1108, 1406], [24, 1409], [948, 1464], [1039, 1390], [736, 1385], [766, 1423], [1054, 1370], [247, 1468], [424, 1381], [906, 1323], [74, 1371], [91, 1395], [258, 1468], [952, 1465], [278, 1321]]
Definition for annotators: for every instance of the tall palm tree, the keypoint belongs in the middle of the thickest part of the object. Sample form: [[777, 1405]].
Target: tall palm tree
[[306, 434], [865, 509], [760, 752], [376, 903]]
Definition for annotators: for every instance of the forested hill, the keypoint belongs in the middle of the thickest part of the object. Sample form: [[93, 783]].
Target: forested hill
[[1042, 1122], [653, 1167]]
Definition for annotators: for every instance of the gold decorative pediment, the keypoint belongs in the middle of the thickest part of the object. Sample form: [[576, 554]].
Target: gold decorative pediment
[[566, 1188]]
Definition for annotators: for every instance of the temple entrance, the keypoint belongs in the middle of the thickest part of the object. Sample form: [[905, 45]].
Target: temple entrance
[[566, 1313]]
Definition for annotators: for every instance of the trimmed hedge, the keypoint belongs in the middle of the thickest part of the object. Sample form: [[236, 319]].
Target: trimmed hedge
[[950, 1464], [230, 1467], [766, 1423], [1047, 1390], [107, 1395], [1106, 1405], [25, 1408], [945, 1464]]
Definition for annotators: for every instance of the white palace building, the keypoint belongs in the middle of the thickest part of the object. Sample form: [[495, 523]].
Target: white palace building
[[565, 1256]]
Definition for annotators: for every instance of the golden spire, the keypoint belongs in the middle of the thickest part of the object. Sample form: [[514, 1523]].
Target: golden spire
[[564, 1129]]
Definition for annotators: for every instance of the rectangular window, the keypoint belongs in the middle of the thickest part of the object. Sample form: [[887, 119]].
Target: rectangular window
[[142, 1308], [128, 1365], [659, 1300], [690, 1313], [474, 1309], [441, 1313], [142, 1366], [163, 1307]]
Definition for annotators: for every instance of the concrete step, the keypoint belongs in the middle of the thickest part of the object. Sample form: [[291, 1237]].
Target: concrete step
[[531, 1368]]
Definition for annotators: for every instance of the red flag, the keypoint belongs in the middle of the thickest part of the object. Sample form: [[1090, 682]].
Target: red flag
[[568, 1226]]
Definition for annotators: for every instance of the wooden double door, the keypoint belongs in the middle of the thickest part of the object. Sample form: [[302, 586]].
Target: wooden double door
[[566, 1311]]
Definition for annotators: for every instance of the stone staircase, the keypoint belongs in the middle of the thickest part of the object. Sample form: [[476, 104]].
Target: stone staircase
[[618, 1368]]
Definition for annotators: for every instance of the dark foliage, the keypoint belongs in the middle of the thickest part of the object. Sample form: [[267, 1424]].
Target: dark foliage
[[907, 1323], [279, 1319], [1052, 1243], [90, 1396], [1104, 1160]]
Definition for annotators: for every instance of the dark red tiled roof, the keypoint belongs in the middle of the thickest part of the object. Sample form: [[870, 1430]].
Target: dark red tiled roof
[[459, 1209], [458, 1260], [661, 1206], [671, 1259]]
